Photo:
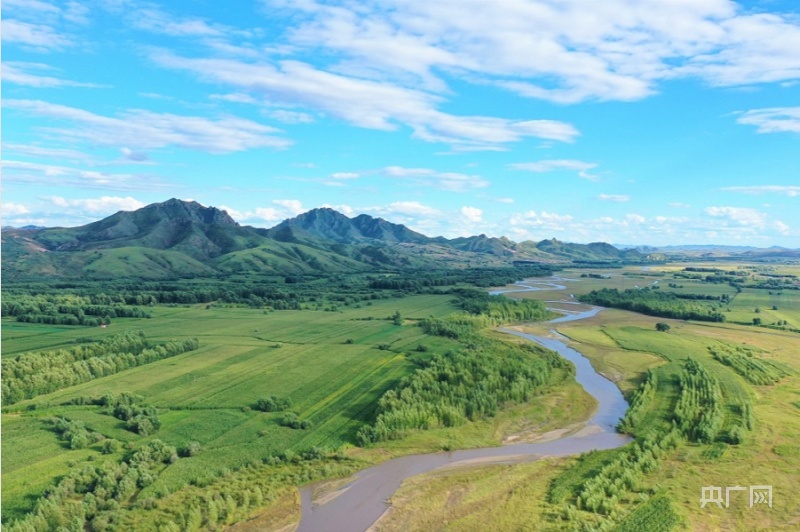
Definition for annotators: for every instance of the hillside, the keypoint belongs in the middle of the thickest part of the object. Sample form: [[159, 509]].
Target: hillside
[[179, 238], [328, 224]]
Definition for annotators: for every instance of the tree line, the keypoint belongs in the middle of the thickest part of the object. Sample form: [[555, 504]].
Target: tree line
[[482, 277], [654, 303], [744, 362], [467, 384], [31, 374]]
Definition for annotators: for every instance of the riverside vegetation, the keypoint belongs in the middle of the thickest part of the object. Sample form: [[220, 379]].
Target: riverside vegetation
[[211, 401], [712, 403], [218, 384]]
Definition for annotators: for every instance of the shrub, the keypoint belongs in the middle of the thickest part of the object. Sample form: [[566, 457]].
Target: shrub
[[191, 450], [273, 403]]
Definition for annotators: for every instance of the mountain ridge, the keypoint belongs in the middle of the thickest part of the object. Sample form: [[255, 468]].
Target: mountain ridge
[[200, 241]]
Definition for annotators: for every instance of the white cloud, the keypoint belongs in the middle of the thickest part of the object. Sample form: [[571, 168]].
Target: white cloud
[[752, 48], [49, 174], [291, 117], [347, 210], [13, 209], [267, 214], [449, 181], [741, 215], [678, 205], [283, 209], [472, 214], [36, 37], [101, 205], [781, 227], [19, 73], [151, 18], [552, 165], [293, 207], [148, 130], [789, 190], [345, 175], [617, 198], [44, 12], [41, 151], [363, 102], [773, 119], [235, 97], [233, 213], [566, 51], [410, 208], [541, 220]]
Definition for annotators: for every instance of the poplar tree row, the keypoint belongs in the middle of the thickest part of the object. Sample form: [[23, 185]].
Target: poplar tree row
[[640, 402], [699, 411], [655, 303], [744, 362], [31, 374]]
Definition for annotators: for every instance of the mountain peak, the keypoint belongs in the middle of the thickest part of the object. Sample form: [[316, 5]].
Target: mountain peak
[[186, 226], [190, 210], [330, 224]]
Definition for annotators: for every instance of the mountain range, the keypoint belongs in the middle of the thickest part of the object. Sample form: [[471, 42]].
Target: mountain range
[[179, 238]]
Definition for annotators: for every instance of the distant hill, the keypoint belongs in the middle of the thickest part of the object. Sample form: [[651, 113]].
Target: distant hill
[[185, 239], [711, 251]]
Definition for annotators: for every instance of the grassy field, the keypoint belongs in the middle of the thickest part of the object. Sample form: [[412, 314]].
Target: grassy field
[[333, 372]]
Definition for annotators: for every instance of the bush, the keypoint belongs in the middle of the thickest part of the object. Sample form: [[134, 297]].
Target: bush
[[273, 403], [191, 450], [110, 446], [292, 420], [662, 327]]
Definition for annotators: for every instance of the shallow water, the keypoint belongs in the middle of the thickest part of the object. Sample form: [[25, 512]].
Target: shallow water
[[363, 500]]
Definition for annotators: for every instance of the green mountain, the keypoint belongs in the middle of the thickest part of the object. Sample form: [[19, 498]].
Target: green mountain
[[594, 252], [183, 226], [328, 224], [185, 239], [502, 247]]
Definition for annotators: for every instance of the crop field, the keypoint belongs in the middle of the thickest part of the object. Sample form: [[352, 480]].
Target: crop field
[[333, 372]]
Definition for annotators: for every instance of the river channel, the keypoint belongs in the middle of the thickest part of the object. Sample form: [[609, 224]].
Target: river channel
[[363, 499]]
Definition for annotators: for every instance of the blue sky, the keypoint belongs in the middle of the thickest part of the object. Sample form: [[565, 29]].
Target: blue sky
[[626, 121]]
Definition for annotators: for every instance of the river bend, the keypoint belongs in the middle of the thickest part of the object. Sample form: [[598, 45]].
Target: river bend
[[362, 501]]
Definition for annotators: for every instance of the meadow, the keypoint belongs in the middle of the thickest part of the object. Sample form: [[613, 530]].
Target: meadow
[[625, 346], [333, 373]]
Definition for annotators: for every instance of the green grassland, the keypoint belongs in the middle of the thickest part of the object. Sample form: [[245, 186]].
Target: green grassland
[[333, 371]]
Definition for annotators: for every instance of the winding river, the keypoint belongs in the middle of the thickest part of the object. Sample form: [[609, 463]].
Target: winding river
[[363, 499]]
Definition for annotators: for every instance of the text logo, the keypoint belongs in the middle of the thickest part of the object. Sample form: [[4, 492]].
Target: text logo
[[713, 495]]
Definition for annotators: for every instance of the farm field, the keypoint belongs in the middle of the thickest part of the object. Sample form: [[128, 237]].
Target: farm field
[[333, 373]]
